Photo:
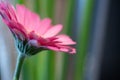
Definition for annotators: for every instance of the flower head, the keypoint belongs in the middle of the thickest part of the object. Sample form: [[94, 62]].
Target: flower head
[[33, 34]]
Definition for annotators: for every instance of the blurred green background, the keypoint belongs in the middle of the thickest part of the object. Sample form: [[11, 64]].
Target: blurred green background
[[85, 21]]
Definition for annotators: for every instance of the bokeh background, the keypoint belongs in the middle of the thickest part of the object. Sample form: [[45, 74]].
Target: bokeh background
[[93, 24]]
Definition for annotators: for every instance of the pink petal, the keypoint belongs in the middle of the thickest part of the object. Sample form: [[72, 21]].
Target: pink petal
[[32, 35], [53, 31], [52, 48], [44, 26], [9, 16], [7, 12], [28, 19], [66, 49], [20, 10], [12, 13], [18, 29], [65, 40]]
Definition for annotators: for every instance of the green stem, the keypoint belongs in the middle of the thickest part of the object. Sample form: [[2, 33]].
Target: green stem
[[18, 68]]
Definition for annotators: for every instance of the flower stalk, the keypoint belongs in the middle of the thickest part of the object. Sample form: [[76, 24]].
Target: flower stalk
[[18, 68]]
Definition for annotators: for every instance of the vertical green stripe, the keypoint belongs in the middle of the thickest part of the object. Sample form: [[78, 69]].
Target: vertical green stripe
[[20, 1], [50, 9], [43, 8], [41, 65], [82, 43], [69, 16], [29, 69], [37, 6]]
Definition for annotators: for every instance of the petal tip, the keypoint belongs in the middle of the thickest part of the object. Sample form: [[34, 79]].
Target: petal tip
[[73, 51]]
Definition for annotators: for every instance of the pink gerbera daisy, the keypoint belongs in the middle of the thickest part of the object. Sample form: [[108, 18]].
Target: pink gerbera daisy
[[33, 34]]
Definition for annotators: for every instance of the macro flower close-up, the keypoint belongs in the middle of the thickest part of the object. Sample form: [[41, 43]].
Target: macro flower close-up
[[30, 30], [59, 40], [33, 34]]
